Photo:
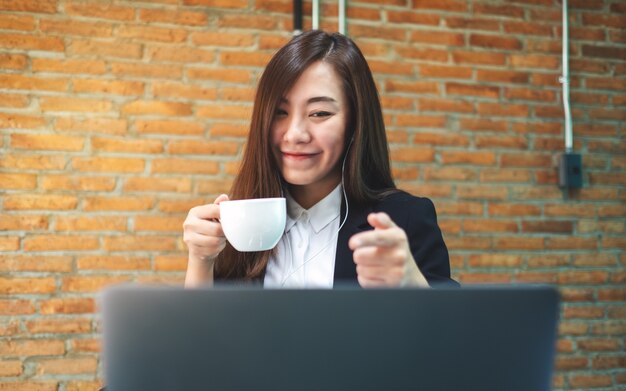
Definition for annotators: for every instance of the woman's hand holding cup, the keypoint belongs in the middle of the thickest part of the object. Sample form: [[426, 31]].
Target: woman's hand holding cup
[[202, 232]]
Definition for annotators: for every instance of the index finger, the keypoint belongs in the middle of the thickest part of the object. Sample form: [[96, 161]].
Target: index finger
[[206, 212], [377, 237]]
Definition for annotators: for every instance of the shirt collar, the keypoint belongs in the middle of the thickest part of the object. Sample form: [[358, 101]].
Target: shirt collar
[[319, 215]]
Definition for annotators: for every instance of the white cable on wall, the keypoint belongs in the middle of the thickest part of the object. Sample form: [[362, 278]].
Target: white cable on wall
[[564, 79]]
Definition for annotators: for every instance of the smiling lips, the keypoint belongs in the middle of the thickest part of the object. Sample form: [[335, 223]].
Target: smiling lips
[[299, 156]]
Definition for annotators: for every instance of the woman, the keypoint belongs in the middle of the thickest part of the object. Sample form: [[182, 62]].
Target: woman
[[317, 137]]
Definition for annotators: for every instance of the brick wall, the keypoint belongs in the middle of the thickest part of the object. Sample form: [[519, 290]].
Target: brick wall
[[116, 117]]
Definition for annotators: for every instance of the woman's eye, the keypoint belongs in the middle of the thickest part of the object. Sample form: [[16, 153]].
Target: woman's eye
[[280, 113], [321, 114]]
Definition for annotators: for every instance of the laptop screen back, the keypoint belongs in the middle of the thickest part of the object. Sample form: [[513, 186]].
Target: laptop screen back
[[480, 338]]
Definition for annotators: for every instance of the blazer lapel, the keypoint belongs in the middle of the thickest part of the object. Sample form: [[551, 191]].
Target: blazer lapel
[[345, 269]]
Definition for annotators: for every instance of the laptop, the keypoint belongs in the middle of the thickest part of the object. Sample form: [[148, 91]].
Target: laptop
[[242, 338]]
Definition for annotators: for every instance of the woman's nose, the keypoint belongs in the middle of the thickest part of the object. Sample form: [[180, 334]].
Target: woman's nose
[[297, 131]]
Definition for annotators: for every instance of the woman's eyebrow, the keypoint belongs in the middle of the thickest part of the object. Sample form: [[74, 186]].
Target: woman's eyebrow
[[313, 99], [321, 99]]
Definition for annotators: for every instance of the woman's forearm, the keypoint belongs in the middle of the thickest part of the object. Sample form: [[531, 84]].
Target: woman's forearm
[[199, 273]]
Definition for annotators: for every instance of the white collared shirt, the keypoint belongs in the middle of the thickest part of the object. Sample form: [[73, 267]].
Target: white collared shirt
[[305, 256]]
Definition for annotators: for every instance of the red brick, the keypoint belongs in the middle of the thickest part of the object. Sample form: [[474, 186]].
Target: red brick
[[39, 162], [466, 157], [519, 243], [126, 145], [446, 105], [598, 345], [583, 312], [483, 142], [18, 181], [412, 154], [612, 294], [218, 3], [108, 164], [504, 175], [146, 70], [67, 306], [31, 42], [573, 243], [224, 112], [110, 262], [527, 28], [11, 368], [391, 68], [495, 260], [26, 285], [412, 18], [170, 263], [93, 125], [151, 184], [555, 227], [495, 41], [29, 263], [59, 326], [22, 222], [440, 139], [133, 203], [85, 345], [64, 182], [419, 87], [87, 223], [468, 243], [500, 10], [594, 259], [140, 243], [188, 18], [536, 277], [388, 33], [510, 209], [590, 381], [577, 294], [388, 102], [203, 148], [472, 90], [257, 22], [443, 71], [159, 223], [12, 61], [572, 328], [53, 142], [533, 95], [482, 192], [91, 283], [17, 22], [31, 347], [229, 75], [39, 201], [179, 90], [67, 365], [60, 242], [20, 82], [482, 125], [105, 49], [438, 38], [504, 110], [571, 363], [502, 76], [525, 159], [610, 328], [150, 33], [216, 186], [74, 27], [484, 278], [169, 127], [450, 173], [82, 105], [472, 23], [114, 87], [186, 166], [100, 10]]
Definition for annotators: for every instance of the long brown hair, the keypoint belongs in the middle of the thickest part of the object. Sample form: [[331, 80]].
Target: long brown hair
[[367, 177]]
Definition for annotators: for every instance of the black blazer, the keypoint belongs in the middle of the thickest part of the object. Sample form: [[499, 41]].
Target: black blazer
[[417, 217]]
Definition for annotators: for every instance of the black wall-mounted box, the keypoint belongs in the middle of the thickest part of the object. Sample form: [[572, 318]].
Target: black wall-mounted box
[[570, 171]]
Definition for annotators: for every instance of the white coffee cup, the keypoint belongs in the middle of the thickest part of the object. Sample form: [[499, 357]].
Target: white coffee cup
[[254, 224]]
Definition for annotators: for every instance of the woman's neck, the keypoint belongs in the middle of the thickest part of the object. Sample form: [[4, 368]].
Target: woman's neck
[[308, 195]]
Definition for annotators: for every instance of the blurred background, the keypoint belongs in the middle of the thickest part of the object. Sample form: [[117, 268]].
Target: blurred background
[[117, 117]]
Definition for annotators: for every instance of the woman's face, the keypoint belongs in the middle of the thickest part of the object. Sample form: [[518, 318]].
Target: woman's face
[[308, 130]]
